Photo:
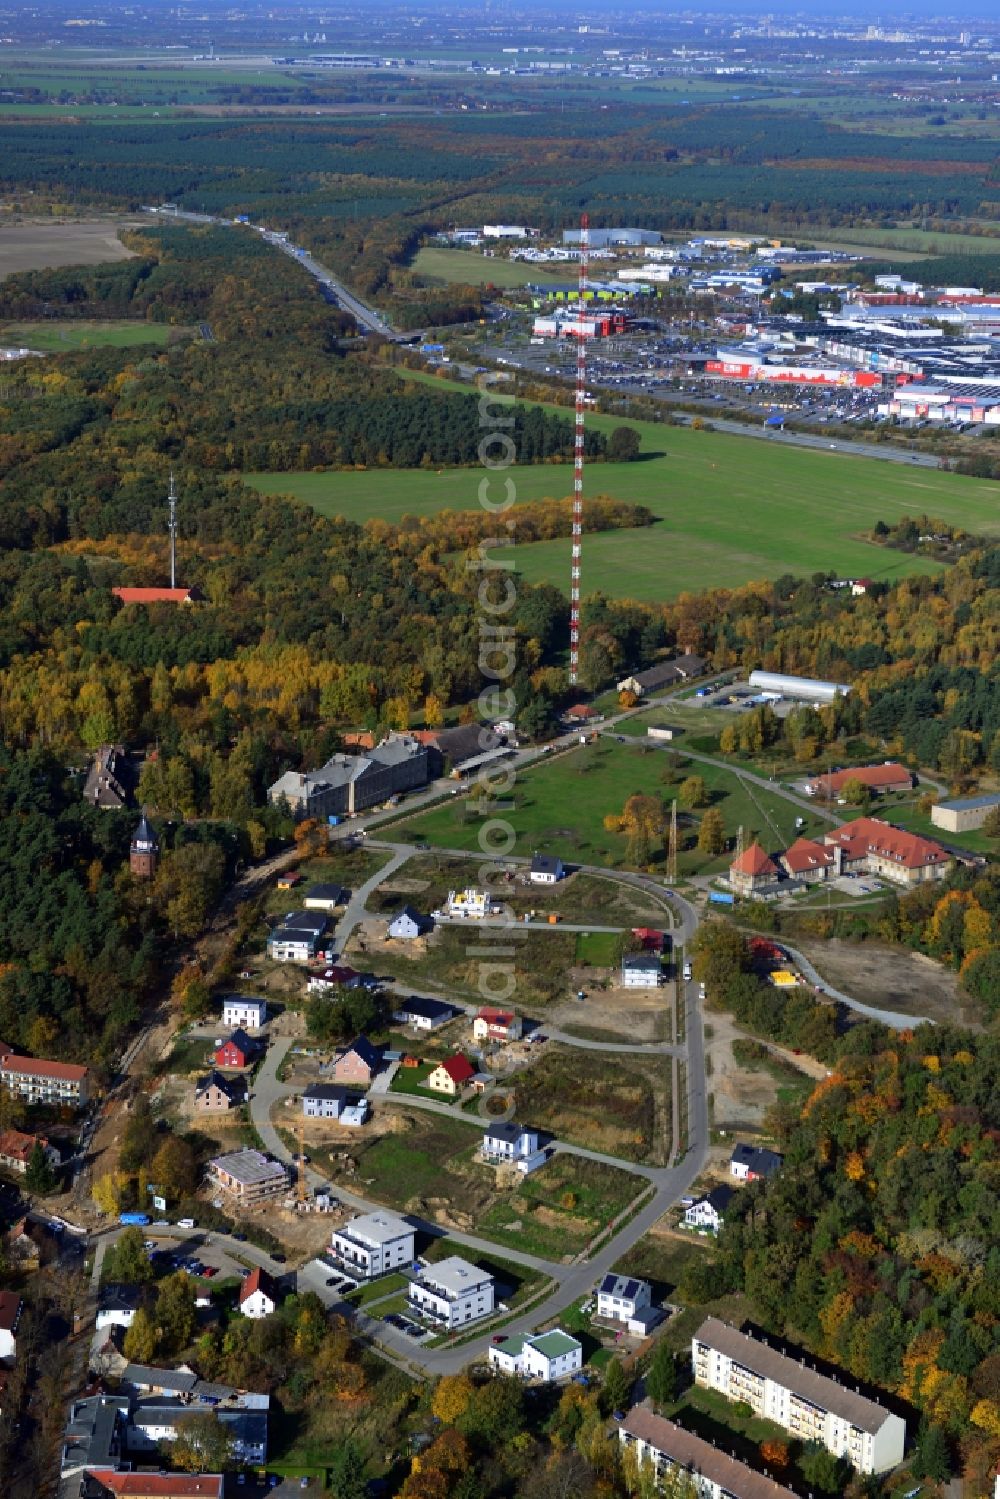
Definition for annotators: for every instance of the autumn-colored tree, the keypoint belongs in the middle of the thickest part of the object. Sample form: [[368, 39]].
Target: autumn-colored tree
[[451, 1397], [627, 698], [692, 792], [140, 1338], [728, 740], [310, 838], [712, 833], [108, 1192]]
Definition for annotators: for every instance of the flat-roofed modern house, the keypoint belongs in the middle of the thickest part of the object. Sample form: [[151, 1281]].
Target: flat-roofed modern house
[[372, 1245], [248, 1175], [348, 784], [545, 1356], [713, 1472], [451, 1293], [813, 1407]]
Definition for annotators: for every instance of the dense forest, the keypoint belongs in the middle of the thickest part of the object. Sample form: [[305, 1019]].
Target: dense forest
[[877, 1244]]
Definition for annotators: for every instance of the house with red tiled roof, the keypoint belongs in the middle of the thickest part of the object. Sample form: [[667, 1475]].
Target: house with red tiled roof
[[752, 871], [879, 779], [158, 595], [16, 1149], [453, 1074], [870, 846], [809, 861], [496, 1025], [258, 1294]]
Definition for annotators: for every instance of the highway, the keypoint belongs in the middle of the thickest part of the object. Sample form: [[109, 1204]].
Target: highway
[[335, 291]]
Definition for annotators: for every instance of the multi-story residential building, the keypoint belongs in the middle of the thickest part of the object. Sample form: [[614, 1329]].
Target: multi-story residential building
[[249, 1176], [300, 937], [812, 1407], [713, 1472], [451, 1293], [544, 1356], [331, 1101], [347, 784], [372, 1245], [45, 1082], [496, 1025]]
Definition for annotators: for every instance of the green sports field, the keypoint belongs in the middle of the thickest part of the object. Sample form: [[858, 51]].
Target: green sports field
[[730, 509], [62, 338]]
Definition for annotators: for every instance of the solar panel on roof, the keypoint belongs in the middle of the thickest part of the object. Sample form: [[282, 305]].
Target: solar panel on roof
[[631, 1287]]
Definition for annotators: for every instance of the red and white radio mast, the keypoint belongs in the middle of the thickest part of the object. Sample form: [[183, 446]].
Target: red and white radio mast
[[581, 393]]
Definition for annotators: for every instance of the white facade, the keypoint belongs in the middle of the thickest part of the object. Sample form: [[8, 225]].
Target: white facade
[[373, 1245], [642, 971], [504, 231], [293, 946], [619, 1297], [806, 688], [712, 1472], [546, 1356], [471, 904], [106, 1317], [705, 1214], [257, 1304], [452, 1293], [809, 1405], [508, 1142], [238, 1012]]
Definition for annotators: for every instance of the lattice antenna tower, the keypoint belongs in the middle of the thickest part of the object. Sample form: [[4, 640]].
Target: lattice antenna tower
[[172, 528], [581, 395], [739, 843], [672, 845]]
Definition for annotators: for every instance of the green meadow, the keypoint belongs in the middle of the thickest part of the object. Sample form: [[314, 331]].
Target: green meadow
[[729, 509], [61, 338]]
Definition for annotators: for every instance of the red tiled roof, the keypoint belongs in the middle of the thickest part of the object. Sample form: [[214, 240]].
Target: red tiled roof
[[581, 710], [753, 861], [876, 777], [459, 1069], [155, 595], [18, 1147], [495, 1017], [870, 835], [10, 1308], [804, 855], [162, 1485], [258, 1280], [69, 1072]]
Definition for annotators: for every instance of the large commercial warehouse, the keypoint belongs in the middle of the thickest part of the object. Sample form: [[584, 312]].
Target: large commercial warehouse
[[806, 688], [964, 814]]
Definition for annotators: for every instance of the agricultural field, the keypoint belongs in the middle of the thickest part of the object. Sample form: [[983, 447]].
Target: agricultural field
[[65, 337], [31, 247], [438, 265], [617, 1105], [763, 509], [561, 805]]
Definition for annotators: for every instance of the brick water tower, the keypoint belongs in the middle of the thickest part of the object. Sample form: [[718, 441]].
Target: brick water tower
[[144, 854]]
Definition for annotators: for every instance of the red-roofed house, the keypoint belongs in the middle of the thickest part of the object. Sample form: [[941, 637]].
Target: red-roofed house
[[871, 846], [496, 1025], [582, 713], [16, 1148], [877, 778], [452, 1075], [153, 1485], [258, 1294], [158, 595], [752, 871], [810, 861]]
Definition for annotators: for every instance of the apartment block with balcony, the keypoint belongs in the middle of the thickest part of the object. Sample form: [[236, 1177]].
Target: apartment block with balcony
[[372, 1245], [811, 1406], [451, 1293]]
